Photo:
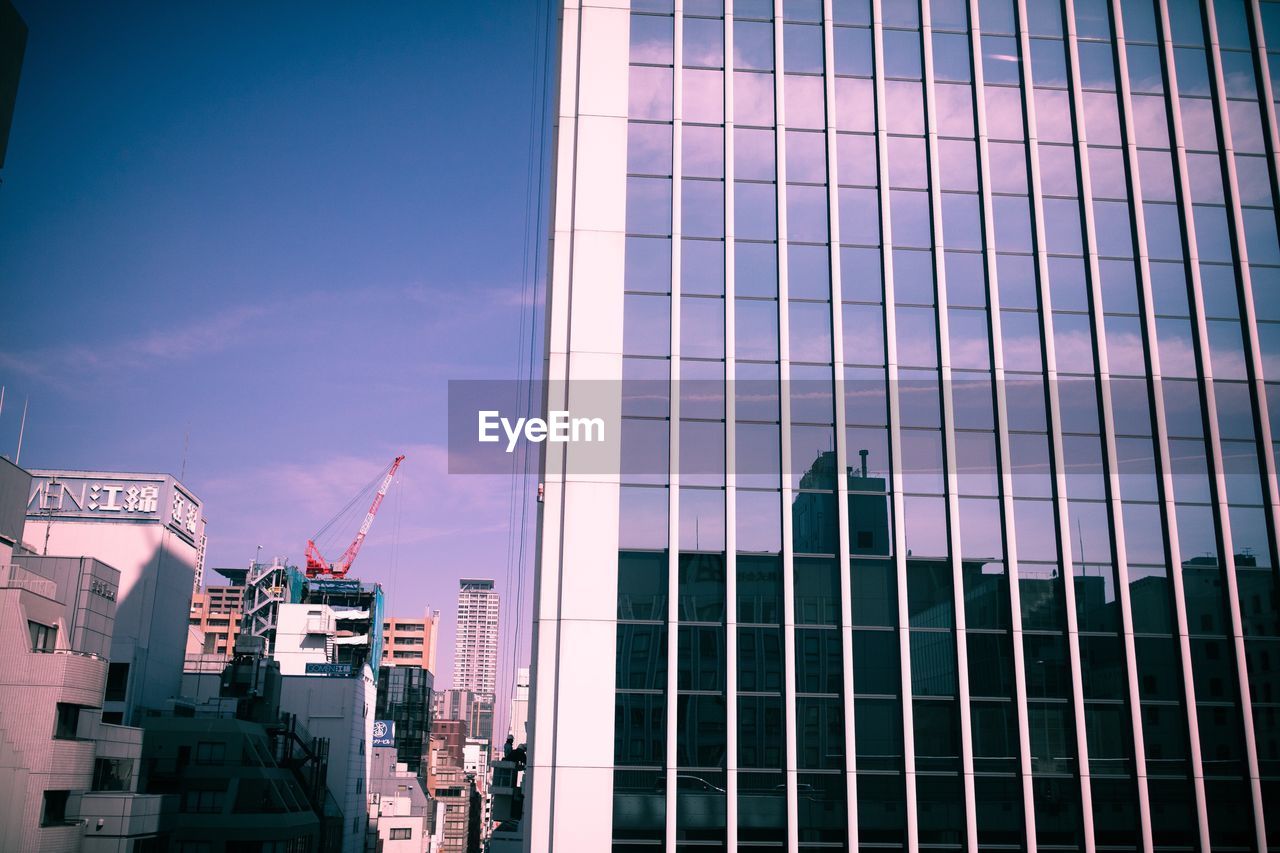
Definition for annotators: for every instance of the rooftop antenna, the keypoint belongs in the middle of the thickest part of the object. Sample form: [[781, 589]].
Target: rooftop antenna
[[186, 443], [17, 459], [1, 399], [863, 453]]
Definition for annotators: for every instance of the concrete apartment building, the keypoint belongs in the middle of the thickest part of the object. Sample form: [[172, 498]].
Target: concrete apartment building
[[151, 529], [68, 780], [456, 791], [216, 614], [400, 812], [327, 646], [226, 785], [475, 710], [411, 641]]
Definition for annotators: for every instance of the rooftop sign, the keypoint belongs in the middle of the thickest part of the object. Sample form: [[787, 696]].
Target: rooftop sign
[[334, 586], [87, 495], [332, 670]]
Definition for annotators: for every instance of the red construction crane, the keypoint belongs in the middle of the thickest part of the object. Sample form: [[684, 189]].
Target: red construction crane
[[317, 565]]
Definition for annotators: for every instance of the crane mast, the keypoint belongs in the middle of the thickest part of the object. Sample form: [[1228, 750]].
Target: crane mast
[[317, 565]]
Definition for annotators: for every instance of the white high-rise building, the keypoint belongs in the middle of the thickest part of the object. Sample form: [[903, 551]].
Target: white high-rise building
[[944, 509], [475, 651]]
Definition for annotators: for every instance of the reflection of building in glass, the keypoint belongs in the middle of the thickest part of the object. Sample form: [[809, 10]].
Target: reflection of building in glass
[[942, 565]]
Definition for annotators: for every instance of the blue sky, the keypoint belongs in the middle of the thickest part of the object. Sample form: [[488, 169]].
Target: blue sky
[[281, 227]]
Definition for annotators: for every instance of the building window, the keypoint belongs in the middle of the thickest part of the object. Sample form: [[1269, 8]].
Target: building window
[[209, 752], [403, 834], [55, 808], [42, 636], [202, 802], [112, 774], [117, 682], [66, 721]]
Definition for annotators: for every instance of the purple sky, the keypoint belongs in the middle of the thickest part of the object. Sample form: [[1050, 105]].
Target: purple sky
[[281, 227]]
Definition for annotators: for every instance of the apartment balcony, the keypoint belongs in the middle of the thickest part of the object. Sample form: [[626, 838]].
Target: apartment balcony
[[120, 815], [81, 675], [16, 577]]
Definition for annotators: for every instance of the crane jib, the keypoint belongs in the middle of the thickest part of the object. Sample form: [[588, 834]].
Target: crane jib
[[316, 564]]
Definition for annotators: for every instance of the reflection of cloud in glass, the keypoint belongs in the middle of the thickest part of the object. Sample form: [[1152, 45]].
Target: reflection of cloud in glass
[[649, 148], [702, 151], [643, 518], [701, 520], [954, 108], [759, 520], [650, 92], [925, 526], [703, 95], [805, 102], [652, 39], [753, 45], [753, 98], [703, 42]]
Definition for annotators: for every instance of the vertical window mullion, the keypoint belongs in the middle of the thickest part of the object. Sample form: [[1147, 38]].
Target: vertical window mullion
[[791, 765], [841, 434], [1065, 554], [673, 488], [1106, 412], [1218, 87], [895, 425], [1161, 437], [1002, 426], [948, 430], [1247, 301], [730, 459], [1200, 335]]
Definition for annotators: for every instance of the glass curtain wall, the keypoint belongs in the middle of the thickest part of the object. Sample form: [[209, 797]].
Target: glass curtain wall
[[948, 493]]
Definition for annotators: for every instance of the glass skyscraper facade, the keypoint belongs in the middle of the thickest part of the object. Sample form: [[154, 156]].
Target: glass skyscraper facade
[[948, 339]]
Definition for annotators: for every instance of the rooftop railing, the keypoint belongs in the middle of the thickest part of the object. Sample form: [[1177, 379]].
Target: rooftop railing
[[13, 576]]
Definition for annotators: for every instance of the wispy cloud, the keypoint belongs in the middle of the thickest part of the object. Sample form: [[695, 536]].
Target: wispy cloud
[[288, 501], [62, 366], [68, 365]]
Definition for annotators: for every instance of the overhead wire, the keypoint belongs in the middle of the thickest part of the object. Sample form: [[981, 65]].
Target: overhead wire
[[330, 537], [517, 535], [398, 488]]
